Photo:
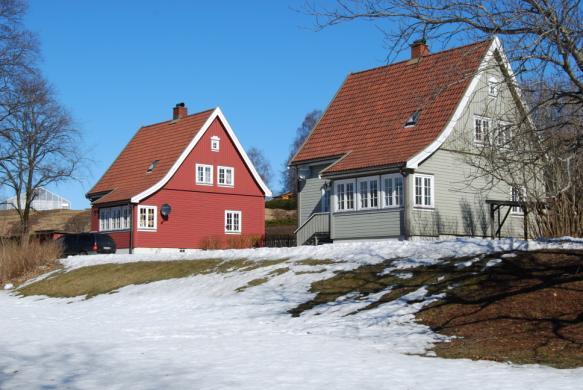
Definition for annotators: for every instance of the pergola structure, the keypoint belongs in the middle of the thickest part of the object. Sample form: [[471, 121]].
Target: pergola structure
[[495, 211]]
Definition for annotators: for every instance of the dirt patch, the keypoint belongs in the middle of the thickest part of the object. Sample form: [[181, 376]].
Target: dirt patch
[[526, 309]]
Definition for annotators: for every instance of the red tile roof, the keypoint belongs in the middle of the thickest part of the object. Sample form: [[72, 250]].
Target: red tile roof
[[365, 122], [164, 141]]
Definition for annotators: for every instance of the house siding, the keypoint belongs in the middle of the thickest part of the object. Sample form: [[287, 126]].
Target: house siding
[[310, 194], [459, 210], [366, 224], [198, 211], [460, 196]]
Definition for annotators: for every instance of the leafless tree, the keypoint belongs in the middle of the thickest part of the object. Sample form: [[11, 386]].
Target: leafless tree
[[542, 41], [288, 177], [261, 164], [42, 143]]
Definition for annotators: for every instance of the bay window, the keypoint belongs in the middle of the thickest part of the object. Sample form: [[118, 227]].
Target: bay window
[[345, 195], [114, 218], [392, 190]]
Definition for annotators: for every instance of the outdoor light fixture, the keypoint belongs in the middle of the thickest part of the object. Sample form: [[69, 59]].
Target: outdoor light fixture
[[165, 210]]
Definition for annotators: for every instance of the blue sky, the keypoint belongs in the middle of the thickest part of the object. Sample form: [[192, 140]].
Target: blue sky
[[118, 65]]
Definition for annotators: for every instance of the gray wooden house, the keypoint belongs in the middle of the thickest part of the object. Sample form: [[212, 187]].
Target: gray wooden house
[[387, 160]]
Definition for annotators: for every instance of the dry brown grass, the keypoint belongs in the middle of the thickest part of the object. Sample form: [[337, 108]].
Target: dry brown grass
[[232, 242], [18, 263]]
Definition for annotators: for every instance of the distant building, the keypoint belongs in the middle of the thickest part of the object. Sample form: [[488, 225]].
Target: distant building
[[44, 200]]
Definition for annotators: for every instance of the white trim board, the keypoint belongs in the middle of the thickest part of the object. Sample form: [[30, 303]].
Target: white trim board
[[217, 113], [496, 45]]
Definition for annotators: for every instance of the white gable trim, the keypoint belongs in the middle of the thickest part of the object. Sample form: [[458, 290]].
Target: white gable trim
[[217, 113], [429, 150]]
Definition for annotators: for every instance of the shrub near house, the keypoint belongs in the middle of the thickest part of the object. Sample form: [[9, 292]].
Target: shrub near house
[[181, 184]]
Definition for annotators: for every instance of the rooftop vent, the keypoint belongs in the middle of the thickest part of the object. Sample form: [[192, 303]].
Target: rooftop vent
[[412, 121], [152, 166]]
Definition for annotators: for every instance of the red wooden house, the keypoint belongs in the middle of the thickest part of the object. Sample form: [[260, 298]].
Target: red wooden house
[[179, 184]]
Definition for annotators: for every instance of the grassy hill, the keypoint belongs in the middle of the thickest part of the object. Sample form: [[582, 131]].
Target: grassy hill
[[61, 220]]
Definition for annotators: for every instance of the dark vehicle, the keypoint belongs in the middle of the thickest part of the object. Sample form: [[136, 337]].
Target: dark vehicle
[[86, 243]]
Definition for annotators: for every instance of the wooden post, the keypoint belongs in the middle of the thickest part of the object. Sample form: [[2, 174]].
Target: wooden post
[[525, 222], [492, 231]]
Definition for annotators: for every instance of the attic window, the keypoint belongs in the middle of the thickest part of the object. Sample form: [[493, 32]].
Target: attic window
[[493, 87], [412, 121], [152, 166], [215, 143]]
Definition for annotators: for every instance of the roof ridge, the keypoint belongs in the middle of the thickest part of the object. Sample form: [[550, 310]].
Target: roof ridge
[[172, 120], [429, 55]]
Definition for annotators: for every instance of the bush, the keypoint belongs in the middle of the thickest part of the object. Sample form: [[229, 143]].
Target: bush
[[285, 204], [18, 262]]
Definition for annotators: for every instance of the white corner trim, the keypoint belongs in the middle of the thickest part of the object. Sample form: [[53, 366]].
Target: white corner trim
[[421, 156], [217, 113]]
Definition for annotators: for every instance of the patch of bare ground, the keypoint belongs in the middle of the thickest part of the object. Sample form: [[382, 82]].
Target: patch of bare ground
[[526, 309]]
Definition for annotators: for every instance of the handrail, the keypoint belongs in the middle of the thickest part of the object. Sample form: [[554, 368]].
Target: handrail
[[308, 220]]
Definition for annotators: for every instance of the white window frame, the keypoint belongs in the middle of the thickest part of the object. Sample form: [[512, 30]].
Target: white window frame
[[153, 209], [208, 182], [424, 204], [395, 195], [345, 202], [493, 87], [233, 230], [114, 218], [499, 130], [369, 194], [225, 169], [485, 134], [514, 190], [215, 143]]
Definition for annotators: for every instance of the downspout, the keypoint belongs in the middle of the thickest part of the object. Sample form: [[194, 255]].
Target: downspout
[[131, 248]]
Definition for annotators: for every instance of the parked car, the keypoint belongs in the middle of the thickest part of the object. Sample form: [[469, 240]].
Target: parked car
[[86, 243]]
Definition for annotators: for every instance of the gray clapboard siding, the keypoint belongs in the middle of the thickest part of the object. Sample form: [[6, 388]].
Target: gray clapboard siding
[[366, 224], [310, 196], [318, 223]]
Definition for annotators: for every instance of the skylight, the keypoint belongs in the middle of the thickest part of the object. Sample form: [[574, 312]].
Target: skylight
[[412, 121], [152, 166]]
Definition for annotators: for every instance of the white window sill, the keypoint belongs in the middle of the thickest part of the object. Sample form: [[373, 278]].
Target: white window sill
[[226, 185], [114, 230], [147, 229], [233, 233], [204, 184], [425, 208]]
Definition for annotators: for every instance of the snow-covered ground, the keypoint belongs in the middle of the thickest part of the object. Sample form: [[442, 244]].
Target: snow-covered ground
[[198, 333]]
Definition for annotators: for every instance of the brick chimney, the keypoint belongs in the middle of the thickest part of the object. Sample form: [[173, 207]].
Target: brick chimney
[[179, 111], [419, 49]]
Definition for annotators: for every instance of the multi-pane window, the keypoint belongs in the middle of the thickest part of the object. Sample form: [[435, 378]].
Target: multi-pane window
[[424, 189], [393, 190], [492, 87], [232, 221], [114, 218], [504, 135], [204, 174], [481, 129], [345, 195], [215, 143], [147, 217], [518, 195], [368, 193], [226, 176]]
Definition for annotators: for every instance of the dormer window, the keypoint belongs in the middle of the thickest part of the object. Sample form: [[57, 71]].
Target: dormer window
[[215, 143], [492, 87], [412, 121], [152, 166]]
